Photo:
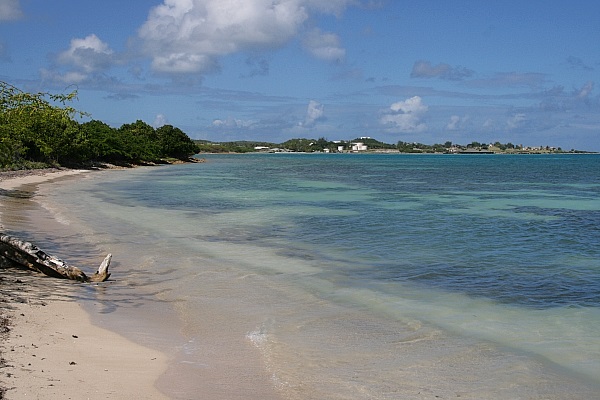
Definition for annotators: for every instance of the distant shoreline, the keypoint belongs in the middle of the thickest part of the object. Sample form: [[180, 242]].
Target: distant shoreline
[[396, 152]]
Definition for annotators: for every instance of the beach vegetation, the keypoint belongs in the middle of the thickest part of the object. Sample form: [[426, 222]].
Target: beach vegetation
[[43, 129]]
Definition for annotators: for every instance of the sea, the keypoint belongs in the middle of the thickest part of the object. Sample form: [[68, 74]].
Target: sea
[[347, 276]]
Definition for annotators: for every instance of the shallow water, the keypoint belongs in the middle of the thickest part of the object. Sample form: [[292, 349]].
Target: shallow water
[[352, 276]]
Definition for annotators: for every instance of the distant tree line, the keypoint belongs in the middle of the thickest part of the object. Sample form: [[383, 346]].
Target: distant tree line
[[40, 129], [301, 145], [242, 146], [323, 145]]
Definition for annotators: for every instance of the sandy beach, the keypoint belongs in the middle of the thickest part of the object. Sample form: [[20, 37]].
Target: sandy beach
[[50, 348], [215, 303]]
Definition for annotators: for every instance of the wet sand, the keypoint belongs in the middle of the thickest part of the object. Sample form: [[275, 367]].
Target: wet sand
[[146, 357], [50, 348]]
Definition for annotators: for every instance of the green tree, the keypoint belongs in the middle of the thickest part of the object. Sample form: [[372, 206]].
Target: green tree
[[474, 145], [299, 145], [35, 126], [140, 141], [98, 141], [173, 142]]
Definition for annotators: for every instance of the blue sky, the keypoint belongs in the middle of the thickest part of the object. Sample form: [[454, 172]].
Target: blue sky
[[524, 72]]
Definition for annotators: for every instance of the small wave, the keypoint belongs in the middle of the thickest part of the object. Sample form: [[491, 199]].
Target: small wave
[[258, 337]]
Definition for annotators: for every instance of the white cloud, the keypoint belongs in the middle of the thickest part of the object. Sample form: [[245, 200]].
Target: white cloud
[[10, 10], [189, 36], [457, 123], [184, 63], [405, 116], [314, 112], [325, 46], [516, 121], [89, 54], [231, 122], [453, 123], [69, 78], [424, 69], [585, 91], [160, 120], [488, 124]]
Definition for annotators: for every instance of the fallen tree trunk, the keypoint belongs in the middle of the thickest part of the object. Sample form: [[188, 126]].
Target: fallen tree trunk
[[28, 255]]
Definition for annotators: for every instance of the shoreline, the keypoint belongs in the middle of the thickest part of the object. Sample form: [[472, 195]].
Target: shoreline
[[221, 321], [50, 347]]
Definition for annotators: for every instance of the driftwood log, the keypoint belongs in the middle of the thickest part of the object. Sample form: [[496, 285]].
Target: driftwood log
[[28, 255]]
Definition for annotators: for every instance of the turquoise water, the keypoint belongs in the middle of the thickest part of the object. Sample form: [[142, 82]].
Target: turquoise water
[[362, 276]]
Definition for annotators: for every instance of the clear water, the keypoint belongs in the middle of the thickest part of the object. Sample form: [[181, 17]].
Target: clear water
[[359, 276]]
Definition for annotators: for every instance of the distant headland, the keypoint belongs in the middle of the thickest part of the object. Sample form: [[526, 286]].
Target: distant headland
[[368, 144]]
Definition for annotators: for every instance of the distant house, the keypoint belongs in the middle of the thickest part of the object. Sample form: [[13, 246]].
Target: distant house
[[358, 146]]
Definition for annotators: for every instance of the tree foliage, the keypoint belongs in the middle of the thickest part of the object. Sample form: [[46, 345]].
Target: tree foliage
[[41, 128], [35, 126]]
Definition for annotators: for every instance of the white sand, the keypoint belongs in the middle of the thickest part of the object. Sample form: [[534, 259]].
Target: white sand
[[54, 352]]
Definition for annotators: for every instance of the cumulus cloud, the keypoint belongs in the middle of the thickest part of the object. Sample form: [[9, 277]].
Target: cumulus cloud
[[89, 54], [315, 112], [405, 116], [453, 123], [189, 36], [232, 123], [457, 123], [558, 99], [516, 121], [160, 120], [83, 61], [585, 91], [323, 45], [69, 78], [488, 124], [424, 69], [10, 10]]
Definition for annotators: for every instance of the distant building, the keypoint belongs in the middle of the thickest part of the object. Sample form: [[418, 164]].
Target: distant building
[[358, 146]]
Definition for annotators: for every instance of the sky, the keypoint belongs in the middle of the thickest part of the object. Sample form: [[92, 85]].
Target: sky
[[521, 72]]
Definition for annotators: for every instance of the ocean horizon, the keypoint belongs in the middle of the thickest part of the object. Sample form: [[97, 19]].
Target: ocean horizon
[[349, 276]]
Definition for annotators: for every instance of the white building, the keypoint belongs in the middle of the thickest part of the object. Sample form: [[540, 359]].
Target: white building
[[358, 146]]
